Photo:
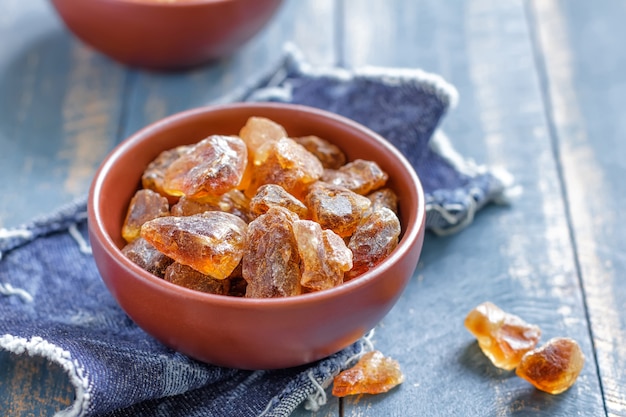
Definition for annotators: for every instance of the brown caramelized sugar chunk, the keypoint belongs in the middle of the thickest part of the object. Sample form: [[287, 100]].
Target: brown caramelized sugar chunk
[[271, 264], [504, 338], [359, 176], [144, 255], [154, 174], [260, 130], [286, 163], [373, 374], [188, 206], [187, 277], [554, 367], [374, 239], [385, 197], [256, 132], [336, 208], [330, 155], [213, 166], [251, 210], [270, 195], [233, 202], [324, 255], [145, 205], [211, 243]]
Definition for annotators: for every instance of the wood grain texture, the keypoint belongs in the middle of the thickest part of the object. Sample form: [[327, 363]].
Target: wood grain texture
[[542, 87], [59, 111], [582, 50], [31, 386], [519, 257]]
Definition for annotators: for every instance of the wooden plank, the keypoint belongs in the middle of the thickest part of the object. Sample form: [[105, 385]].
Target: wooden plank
[[585, 69], [59, 111], [520, 257], [32, 386]]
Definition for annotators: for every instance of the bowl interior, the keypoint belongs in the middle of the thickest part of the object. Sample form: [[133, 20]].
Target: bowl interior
[[127, 162]]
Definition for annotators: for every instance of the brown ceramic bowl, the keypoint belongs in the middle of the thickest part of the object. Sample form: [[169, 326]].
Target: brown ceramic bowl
[[242, 332], [165, 34]]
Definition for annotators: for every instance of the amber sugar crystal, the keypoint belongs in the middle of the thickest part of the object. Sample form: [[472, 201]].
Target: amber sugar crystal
[[154, 174], [373, 240], [252, 210], [360, 176], [286, 163], [269, 195], [213, 166], [336, 208], [330, 155], [211, 243], [554, 367], [147, 257], [187, 277], [323, 254], [145, 205], [260, 130], [233, 202], [385, 197], [271, 264], [504, 338], [373, 374]]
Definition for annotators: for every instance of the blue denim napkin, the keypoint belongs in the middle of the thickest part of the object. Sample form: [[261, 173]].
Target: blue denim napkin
[[54, 304]]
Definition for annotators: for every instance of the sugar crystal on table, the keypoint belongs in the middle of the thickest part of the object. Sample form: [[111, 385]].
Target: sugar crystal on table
[[374, 373], [554, 367], [503, 337]]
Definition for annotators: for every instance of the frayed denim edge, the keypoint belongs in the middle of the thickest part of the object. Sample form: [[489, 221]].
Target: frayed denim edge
[[61, 219], [293, 62], [504, 191]]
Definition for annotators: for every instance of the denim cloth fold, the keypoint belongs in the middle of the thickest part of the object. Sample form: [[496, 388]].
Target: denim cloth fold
[[54, 304]]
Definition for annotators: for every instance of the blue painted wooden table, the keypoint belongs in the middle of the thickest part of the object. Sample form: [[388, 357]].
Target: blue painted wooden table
[[542, 88]]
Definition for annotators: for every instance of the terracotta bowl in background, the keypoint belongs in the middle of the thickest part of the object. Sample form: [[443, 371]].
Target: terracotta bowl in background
[[242, 332], [165, 34]]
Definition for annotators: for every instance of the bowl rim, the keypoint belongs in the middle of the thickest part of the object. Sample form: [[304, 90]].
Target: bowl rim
[[410, 234]]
